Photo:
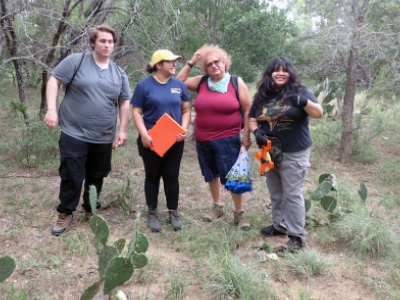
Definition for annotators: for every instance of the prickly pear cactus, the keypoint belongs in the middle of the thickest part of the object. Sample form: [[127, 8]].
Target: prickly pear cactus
[[106, 255], [119, 270], [142, 243], [100, 229], [93, 198], [119, 244], [363, 192], [7, 266], [91, 291], [138, 260]]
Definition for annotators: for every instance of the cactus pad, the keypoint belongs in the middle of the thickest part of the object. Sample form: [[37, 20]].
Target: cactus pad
[[329, 203], [106, 255], [100, 229], [93, 198], [7, 266], [139, 260], [119, 244], [91, 291], [119, 270], [142, 243]]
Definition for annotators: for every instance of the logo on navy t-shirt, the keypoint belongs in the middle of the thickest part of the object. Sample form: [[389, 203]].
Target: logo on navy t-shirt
[[175, 90]]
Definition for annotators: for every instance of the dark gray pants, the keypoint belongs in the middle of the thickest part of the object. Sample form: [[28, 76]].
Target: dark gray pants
[[285, 183]]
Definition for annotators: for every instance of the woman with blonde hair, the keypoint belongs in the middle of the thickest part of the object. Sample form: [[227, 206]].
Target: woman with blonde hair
[[221, 98]]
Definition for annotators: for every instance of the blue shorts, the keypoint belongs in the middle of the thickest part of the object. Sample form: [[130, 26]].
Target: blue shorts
[[217, 157]]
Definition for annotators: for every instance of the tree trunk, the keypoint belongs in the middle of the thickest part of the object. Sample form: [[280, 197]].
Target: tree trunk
[[11, 40], [348, 107]]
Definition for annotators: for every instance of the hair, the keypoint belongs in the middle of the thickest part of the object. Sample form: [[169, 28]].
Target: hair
[[219, 52], [266, 89], [150, 69], [93, 33]]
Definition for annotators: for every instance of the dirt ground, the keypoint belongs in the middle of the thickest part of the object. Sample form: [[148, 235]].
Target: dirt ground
[[61, 268]]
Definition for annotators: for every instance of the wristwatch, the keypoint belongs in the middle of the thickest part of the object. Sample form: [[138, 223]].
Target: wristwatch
[[189, 64]]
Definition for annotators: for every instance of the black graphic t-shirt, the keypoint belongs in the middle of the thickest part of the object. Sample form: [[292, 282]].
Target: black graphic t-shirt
[[287, 123]]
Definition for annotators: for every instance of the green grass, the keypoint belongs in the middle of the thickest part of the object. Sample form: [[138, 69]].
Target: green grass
[[308, 262], [368, 234]]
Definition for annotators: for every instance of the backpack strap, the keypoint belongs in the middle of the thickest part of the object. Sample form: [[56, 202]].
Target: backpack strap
[[76, 71], [234, 80], [204, 78]]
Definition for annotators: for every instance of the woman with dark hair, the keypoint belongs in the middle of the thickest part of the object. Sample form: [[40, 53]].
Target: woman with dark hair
[[153, 96], [280, 112]]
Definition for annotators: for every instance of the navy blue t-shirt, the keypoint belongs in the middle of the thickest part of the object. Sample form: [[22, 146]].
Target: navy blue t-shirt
[[287, 123], [156, 99]]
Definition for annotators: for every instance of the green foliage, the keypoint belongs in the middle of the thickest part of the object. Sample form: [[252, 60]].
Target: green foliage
[[227, 278], [34, 145], [93, 199], [308, 262], [114, 267], [367, 234], [327, 193], [7, 266], [178, 284]]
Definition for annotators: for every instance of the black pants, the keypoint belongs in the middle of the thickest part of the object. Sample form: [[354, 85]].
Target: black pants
[[81, 161], [166, 167]]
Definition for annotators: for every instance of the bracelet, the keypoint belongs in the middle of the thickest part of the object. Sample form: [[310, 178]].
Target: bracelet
[[190, 64]]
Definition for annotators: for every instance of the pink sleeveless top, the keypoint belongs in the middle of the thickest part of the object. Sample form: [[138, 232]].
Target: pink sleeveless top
[[217, 114]]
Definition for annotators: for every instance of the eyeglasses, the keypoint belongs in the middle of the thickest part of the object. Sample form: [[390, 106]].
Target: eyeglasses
[[215, 62]]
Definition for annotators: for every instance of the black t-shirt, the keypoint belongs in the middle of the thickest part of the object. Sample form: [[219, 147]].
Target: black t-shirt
[[287, 123]]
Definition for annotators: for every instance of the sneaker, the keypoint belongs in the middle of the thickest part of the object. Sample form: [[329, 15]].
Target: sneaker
[[153, 221], [88, 215], [270, 231], [217, 211], [294, 244], [240, 220], [62, 224], [175, 219]]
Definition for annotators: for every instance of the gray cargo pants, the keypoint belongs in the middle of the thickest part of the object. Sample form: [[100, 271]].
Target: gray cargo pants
[[285, 183]]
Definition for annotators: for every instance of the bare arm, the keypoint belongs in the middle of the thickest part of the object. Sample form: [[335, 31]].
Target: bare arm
[[183, 75], [124, 120], [51, 117], [314, 110], [245, 103], [137, 116], [186, 115]]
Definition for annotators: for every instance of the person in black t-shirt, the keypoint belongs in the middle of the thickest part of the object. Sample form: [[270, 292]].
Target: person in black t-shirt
[[280, 112]]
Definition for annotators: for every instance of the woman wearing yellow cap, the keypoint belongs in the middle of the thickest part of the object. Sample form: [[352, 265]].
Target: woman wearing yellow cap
[[153, 96]]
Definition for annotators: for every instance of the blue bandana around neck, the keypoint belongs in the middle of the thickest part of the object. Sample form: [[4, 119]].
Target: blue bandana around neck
[[221, 86]]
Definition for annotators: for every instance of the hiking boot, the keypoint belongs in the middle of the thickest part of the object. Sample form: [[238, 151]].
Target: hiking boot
[[270, 231], [240, 220], [217, 211], [153, 221], [294, 244], [62, 224], [175, 219]]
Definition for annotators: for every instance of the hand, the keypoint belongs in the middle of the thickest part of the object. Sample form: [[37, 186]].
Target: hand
[[51, 119], [298, 100], [197, 57], [261, 137]]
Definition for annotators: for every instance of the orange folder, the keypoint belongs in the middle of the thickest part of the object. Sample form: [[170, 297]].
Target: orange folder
[[164, 134]]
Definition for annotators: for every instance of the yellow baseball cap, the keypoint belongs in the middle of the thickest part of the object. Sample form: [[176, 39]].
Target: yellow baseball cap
[[160, 55]]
